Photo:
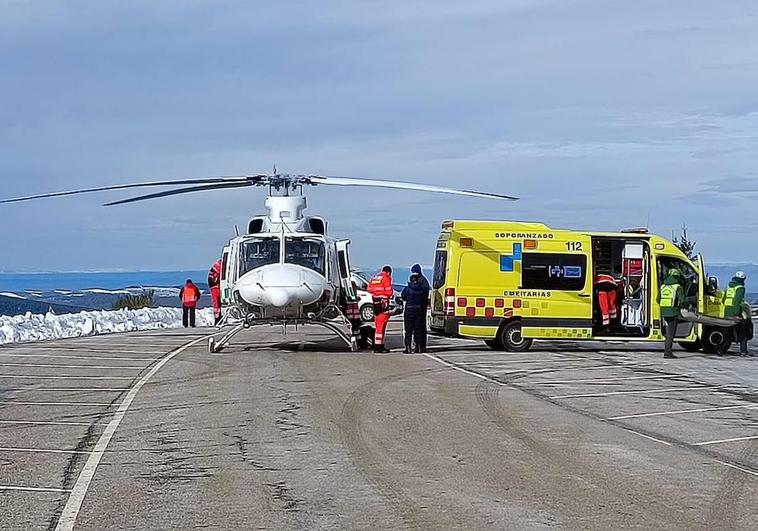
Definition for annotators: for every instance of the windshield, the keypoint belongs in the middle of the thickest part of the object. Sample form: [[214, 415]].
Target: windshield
[[360, 280], [306, 252], [258, 252]]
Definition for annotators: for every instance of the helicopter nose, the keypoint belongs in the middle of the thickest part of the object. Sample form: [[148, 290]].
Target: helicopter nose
[[281, 286], [280, 298]]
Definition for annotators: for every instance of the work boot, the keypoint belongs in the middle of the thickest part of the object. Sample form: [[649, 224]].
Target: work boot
[[407, 350], [669, 356], [381, 349]]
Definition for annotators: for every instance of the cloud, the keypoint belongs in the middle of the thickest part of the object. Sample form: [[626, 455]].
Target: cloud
[[597, 114]]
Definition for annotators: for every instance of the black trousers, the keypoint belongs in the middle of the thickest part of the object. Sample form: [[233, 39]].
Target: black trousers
[[740, 335], [415, 328], [188, 318], [671, 324]]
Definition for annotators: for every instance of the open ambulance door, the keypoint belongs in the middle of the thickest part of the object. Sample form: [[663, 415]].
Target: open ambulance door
[[701, 293]]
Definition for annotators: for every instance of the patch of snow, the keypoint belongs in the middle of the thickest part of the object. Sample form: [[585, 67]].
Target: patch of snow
[[29, 327], [99, 291], [11, 295], [62, 292]]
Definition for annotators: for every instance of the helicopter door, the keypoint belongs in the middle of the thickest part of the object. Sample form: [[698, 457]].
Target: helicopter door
[[343, 269], [226, 292]]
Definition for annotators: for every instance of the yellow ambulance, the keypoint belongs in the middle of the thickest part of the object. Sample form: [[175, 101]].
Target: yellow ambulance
[[509, 283]]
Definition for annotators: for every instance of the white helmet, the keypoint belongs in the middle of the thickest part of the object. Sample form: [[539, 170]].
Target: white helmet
[[740, 275]]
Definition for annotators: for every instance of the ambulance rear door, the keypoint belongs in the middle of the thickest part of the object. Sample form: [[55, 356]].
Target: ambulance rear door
[[555, 294]]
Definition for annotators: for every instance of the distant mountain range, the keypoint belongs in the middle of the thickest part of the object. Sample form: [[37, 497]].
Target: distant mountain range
[[71, 292], [64, 301]]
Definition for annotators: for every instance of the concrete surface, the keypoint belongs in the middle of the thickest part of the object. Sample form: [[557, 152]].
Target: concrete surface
[[293, 433]]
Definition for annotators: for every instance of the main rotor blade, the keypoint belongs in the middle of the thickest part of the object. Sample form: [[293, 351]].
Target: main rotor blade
[[207, 180], [205, 188], [348, 181]]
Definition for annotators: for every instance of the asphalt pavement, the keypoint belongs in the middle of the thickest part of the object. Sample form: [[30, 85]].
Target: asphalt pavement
[[149, 431]]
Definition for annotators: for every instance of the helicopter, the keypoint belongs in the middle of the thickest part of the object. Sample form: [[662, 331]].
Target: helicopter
[[285, 269]]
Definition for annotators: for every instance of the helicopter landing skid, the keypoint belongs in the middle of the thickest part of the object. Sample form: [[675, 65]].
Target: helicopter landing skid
[[214, 347], [217, 346]]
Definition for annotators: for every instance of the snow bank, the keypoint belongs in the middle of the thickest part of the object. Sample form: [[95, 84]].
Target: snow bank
[[30, 327]]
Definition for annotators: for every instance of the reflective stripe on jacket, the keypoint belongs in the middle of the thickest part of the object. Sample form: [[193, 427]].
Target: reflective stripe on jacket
[[380, 286], [671, 298], [668, 296]]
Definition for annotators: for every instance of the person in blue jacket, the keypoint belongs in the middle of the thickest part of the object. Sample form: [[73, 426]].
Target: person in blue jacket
[[416, 298]]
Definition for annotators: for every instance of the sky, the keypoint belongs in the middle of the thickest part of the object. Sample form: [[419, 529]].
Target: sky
[[599, 114]]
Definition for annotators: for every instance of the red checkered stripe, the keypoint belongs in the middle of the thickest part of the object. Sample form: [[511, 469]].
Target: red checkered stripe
[[353, 312], [489, 307]]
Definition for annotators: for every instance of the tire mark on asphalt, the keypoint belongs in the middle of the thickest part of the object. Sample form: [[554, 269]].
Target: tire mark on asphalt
[[370, 462], [731, 491], [569, 472], [512, 382]]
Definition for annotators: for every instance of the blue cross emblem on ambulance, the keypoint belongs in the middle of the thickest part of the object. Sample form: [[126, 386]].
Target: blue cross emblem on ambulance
[[508, 261]]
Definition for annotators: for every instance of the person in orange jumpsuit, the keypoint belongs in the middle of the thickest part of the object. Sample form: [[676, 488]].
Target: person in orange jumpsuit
[[214, 283], [189, 295], [607, 298], [380, 288]]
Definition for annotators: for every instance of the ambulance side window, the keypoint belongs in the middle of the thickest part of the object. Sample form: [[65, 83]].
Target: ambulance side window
[[553, 271]]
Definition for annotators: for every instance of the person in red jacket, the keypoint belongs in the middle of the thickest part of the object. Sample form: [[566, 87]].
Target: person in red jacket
[[189, 296], [607, 290], [380, 288], [214, 283]]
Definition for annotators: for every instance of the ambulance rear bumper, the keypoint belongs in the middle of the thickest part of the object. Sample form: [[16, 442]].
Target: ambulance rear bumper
[[450, 326]]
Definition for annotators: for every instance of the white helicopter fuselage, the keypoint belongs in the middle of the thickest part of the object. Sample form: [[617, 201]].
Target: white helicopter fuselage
[[285, 269], [281, 286]]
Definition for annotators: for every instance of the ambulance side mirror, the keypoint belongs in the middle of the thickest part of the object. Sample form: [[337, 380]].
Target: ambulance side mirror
[[713, 286]]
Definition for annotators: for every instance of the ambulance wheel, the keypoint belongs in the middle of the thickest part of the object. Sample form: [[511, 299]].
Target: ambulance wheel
[[509, 336], [494, 344], [691, 347], [716, 340], [367, 313]]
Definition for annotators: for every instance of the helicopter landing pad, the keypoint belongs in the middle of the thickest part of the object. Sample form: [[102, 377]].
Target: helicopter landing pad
[[149, 431]]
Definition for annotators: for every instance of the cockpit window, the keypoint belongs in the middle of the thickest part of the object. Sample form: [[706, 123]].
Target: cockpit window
[[258, 252], [306, 252]]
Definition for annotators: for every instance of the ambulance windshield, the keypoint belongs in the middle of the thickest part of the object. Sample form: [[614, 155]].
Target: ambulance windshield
[[306, 252], [257, 253]]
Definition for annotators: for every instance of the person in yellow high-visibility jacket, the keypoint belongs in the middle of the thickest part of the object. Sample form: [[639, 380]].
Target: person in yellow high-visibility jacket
[[672, 300], [734, 299]]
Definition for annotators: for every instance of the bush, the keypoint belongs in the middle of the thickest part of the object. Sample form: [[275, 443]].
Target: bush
[[135, 302]]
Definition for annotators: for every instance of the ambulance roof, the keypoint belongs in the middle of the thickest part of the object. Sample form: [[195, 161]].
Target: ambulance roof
[[473, 224]]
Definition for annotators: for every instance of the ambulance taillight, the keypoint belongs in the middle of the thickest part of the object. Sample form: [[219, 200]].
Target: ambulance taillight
[[450, 301]]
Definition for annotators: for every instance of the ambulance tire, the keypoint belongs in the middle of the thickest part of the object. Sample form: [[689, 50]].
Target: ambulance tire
[[693, 346], [494, 344], [509, 336], [716, 340]]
